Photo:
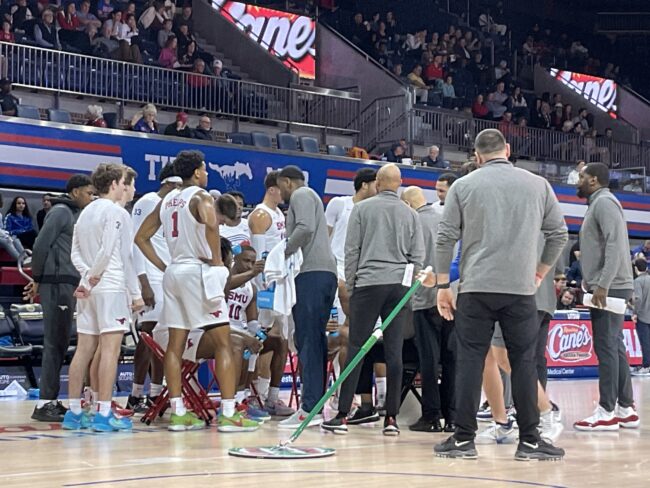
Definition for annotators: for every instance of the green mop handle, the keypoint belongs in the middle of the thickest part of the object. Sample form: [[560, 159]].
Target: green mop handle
[[374, 337]]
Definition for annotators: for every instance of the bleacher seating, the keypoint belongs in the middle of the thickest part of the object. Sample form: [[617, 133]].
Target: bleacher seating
[[63, 116], [243, 138], [309, 144], [28, 112], [287, 141], [334, 150], [261, 139]]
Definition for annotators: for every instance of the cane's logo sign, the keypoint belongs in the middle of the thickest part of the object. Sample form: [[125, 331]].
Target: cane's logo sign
[[600, 92], [289, 36], [569, 343]]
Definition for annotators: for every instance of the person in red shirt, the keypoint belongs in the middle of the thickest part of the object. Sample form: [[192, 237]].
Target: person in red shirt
[[479, 109], [95, 116], [434, 71], [68, 20], [6, 35]]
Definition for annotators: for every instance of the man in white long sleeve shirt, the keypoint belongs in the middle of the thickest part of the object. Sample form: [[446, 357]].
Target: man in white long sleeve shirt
[[106, 295]]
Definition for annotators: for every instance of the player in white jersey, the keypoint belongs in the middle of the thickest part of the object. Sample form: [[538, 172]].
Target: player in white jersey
[[193, 286], [151, 283], [106, 297], [236, 230]]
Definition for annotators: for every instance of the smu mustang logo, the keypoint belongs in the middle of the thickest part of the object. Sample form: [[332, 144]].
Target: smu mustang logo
[[569, 343], [232, 173]]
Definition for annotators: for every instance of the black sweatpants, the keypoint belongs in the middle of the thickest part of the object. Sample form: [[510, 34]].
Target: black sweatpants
[[544, 319], [475, 318]]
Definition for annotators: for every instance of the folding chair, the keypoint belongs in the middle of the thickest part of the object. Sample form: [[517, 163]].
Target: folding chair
[[193, 393], [295, 394]]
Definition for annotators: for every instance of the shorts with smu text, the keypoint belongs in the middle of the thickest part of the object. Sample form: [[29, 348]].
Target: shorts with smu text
[[185, 305], [103, 312], [153, 314], [161, 336]]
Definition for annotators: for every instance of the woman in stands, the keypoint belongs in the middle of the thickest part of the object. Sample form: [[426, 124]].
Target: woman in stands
[[9, 243], [18, 222], [6, 35], [146, 121], [168, 55], [95, 116], [479, 109]]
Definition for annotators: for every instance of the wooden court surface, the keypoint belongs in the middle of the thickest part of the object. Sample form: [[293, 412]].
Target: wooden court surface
[[37, 455]]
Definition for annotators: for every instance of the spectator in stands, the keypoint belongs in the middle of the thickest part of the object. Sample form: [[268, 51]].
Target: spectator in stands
[[635, 185], [433, 159], [112, 26], [168, 57], [104, 9], [95, 116], [186, 18], [153, 18], [505, 126], [572, 178], [517, 104], [67, 19], [6, 35], [502, 72], [8, 102], [165, 33], [581, 119], [479, 108], [574, 274], [86, 18], [521, 139], [544, 120], [146, 120], [397, 70], [461, 50], [487, 24], [47, 205], [20, 13], [204, 130], [394, 154], [180, 128], [642, 250], [496, 102], [360, 31], [184, 36], [578, 50], [45, 32], [557, 117], [189, 57], [127, 36], [434, 73], [566, 300], [199, 82], [560, 283], [529, 49], [8, 242], [421, 88], [449, 93], [18, 222]]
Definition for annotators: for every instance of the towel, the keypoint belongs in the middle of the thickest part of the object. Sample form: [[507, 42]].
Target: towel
[[214, 282], [282, 271]]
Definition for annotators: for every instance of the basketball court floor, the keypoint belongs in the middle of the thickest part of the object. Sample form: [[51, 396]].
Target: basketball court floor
[[40, 455]]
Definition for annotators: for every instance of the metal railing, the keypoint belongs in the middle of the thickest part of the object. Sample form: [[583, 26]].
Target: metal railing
[[384, 121], [63, 72]]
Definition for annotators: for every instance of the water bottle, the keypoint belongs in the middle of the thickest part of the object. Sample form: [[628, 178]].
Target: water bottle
[[334, 314], [261, 335], [247, 354], [236, 249]]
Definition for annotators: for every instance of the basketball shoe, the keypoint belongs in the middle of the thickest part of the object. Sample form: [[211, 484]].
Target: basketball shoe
[[453, 448], [600, 420], [538, 451], [189, 421], [110, 423], [498, 434], [236, 423], [627, 417], [73, 421]]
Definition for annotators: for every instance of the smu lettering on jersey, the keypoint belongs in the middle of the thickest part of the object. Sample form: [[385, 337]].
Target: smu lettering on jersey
[[238, 301]]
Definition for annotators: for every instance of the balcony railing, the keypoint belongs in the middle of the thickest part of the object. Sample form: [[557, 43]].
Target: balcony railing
[[63, 72]]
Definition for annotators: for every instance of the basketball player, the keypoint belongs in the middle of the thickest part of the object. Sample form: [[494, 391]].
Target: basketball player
[[103, 309], [193, 288], [151, 283], [236, 230]]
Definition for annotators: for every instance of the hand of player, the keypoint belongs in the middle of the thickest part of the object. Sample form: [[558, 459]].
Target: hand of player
[[332, 326], [148, 295], [81, 292], [30, 292], [258, 267], [137, 304], [427, 277], [94, 280], [446, 303], [254, 346], [635, 318], [599, 297]]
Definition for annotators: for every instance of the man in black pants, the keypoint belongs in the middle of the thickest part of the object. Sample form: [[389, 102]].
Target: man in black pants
[[55, 280], [434, 335], [384, 237], [498, 212]]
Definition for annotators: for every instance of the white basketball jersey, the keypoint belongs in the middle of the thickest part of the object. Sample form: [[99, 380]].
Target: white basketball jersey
[[141, 210], [185, 236], [238, 301], [276, 232]]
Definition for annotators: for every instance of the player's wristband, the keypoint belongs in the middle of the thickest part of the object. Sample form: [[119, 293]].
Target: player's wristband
[[443, 286]]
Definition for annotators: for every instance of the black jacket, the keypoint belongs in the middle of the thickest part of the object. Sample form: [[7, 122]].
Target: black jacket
[[205, 135], [51, 261], [171, 130]]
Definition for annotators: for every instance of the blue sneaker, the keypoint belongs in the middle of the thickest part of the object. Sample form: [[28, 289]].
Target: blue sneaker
[[73, 421], [257, 414], [110, 423]]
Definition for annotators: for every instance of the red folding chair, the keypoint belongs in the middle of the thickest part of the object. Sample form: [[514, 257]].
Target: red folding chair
[[193, 393], [295, 393]]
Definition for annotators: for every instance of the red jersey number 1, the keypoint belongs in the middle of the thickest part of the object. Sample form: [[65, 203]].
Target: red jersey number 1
[[175, 224]]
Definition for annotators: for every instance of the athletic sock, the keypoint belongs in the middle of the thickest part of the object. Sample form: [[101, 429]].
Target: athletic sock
[[262, 385], [380, 384], [274, 393], [137, 390], [155, 389], [178, 407], [42, 403], [240, 396], [228, 407], [94, 396], [104, 408], [75, 405]]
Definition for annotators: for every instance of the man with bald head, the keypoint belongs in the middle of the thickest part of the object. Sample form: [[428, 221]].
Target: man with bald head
[[384, 237]]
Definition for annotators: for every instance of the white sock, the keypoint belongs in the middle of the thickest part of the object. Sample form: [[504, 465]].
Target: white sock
[[380, 384], [178, 407], [104, 408], [88, 395], [75, 405], [155, 389], [94, 396], [262, 385], [42, 403], [228, 407], [274, 393], [240, 396], [137, 390], [247, 392]]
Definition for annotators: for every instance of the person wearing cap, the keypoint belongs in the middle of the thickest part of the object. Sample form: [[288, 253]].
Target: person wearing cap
[[180, 128], [55, 280], [150, 279], [315, 287], [8, 102]]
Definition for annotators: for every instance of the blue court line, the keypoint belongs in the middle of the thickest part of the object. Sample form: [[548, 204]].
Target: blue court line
[[364, 473]]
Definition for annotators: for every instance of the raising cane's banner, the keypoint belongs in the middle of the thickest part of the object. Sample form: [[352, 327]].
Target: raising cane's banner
[[289, 36], [599, 92]]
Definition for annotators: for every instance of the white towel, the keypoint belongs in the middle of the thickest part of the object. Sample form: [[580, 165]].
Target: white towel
[[214, 282], [282, 271]]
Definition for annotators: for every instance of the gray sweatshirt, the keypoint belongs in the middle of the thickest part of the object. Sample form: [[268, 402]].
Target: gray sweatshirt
[[499, 211], [384, 235], [604, 246], [642, 297], [307, 230], [429, 217]]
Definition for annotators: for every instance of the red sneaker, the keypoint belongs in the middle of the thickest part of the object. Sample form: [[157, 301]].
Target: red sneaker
[[627, 417], [120, 411], [600, 420]]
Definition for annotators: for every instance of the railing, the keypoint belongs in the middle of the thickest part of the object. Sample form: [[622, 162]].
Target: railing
[[623, 22], [63, 72], [384, 121]]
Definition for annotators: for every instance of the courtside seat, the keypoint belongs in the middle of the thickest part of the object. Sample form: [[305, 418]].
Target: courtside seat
[[15, 352]]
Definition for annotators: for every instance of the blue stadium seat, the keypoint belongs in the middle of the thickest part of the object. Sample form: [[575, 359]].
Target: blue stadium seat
[[287, 141], [111, 120], [28, 112], [335, 150], [309, 144], [261, 139], [62, 116], [243, 138]]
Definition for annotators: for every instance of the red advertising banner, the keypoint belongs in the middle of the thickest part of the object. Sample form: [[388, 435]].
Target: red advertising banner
[[600, 92], [570, 343], [288, 36]]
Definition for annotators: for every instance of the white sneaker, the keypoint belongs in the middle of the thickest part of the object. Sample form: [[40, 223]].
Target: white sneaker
[[549, 428], [298, 418], [627, 417], [641, 372], [497, 434], [600, 420], [557, 413]]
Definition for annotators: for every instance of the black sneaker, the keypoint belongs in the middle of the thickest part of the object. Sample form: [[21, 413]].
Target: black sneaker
[[61, 408], [452, 448], [450, 426], [49, 412], [424, 425], [364, 416], [337, 425], [538, 451], [138, 405], [390, 427]]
